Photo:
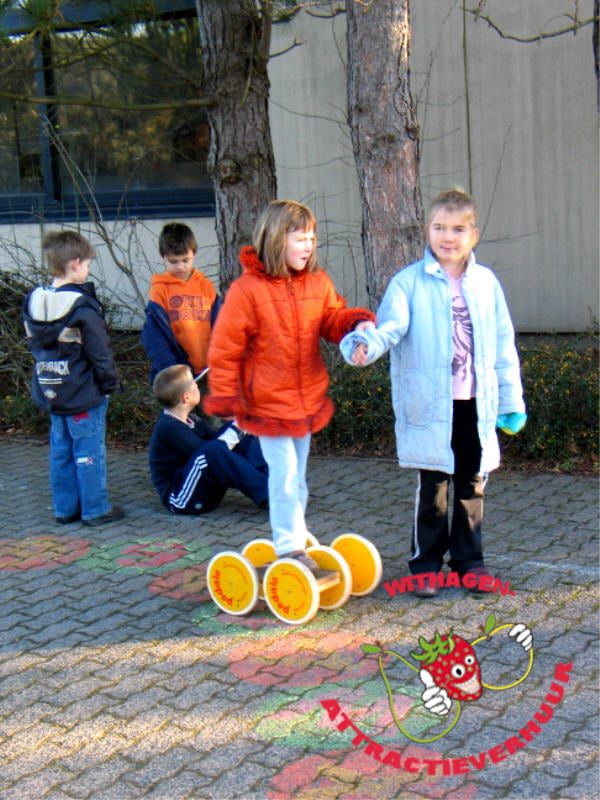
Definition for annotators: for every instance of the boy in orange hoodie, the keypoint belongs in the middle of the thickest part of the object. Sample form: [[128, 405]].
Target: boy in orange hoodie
[[182, 305]]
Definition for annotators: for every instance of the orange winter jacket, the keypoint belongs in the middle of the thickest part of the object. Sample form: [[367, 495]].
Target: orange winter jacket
[[264, 357], [188, 305]]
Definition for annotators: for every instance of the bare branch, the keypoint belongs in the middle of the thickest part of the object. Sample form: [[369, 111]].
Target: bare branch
[[89, 199], [290, 47], [335, 8], [64, 100], [336, 11], [495, 186], [574, 25]]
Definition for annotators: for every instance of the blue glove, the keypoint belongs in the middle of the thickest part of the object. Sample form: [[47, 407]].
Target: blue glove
[[511, 423]]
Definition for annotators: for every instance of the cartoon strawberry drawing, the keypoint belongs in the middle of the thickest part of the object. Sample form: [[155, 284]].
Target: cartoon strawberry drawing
[[452, 664], [449, 670]]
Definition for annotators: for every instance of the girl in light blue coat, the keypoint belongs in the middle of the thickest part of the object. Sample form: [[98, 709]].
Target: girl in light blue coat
[[455, 377]]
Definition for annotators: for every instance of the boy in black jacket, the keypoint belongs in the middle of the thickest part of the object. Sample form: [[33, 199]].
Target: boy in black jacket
[[191, 466], [74, 374]]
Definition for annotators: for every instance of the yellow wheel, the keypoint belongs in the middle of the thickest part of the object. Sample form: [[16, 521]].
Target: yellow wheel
[[260, 552], [291, 591], [363, 559], [311, 540], [329, 559], [232, 582]]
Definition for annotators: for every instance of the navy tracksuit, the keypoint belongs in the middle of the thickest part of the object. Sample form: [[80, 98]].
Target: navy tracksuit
[[192, 468]]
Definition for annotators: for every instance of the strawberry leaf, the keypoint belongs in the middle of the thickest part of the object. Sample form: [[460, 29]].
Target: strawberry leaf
[[370, 648], [420, 656], [490, 624]]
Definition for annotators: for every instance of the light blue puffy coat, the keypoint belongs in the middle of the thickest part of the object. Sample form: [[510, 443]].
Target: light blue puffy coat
[[414, 321]]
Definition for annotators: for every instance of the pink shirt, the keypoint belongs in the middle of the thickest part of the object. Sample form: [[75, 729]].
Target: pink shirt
[[463, 374]]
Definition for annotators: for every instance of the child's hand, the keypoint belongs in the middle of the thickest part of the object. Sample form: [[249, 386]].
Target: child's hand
[[365, 325], [511, 423], [360, 355], [357, 347]]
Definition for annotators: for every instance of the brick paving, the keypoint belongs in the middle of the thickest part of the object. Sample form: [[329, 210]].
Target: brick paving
[[120, 679]]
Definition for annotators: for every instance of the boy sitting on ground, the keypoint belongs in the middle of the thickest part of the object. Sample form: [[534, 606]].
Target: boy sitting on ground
[[191, 465]]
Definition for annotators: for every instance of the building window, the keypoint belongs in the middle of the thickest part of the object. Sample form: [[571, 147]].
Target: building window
[[124, 131]]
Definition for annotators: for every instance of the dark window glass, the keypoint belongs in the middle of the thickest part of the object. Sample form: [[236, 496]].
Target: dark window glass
[[20, 146], [138, 144]]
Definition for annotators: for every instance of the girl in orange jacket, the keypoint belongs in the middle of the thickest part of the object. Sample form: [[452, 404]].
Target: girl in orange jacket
[[265, 363]]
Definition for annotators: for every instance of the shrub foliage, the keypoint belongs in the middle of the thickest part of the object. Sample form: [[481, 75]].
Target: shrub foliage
[[560, 380], [560, 377]]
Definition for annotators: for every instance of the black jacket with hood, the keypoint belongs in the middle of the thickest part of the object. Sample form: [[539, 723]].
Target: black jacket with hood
[[66, 332]]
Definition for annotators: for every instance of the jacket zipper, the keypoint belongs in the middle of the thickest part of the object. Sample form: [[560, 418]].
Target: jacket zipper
[[292, 293]]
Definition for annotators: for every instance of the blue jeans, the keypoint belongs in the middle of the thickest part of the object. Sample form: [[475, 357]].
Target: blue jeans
[[78, 463], [287, 458]]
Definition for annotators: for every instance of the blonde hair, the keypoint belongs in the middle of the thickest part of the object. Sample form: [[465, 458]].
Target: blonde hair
[[170, 384], [61, 247], [278, 219], [454, 200]]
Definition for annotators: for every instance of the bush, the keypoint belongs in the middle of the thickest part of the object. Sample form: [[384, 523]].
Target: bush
[[363, 423], [560, 377], [131, 413]]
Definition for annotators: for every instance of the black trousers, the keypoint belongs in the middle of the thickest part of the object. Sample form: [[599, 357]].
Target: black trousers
[[432, 536]]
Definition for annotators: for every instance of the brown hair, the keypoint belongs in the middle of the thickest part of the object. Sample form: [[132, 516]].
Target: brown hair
[[170, 384], [269, 238], [60, 247], [176, 239], [454, 200]]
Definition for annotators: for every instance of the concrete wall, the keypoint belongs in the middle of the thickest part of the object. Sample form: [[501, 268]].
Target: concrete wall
[[533, 165], [534, 159], [134, 242], [534, 146], [311, 139]]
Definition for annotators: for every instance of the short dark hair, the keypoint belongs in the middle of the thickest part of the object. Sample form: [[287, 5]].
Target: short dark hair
[[170, 384], [60, 247], [176, 238]]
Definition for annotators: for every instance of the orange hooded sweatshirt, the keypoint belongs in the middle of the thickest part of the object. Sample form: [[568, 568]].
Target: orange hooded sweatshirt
[[188, 305], [265, 362]]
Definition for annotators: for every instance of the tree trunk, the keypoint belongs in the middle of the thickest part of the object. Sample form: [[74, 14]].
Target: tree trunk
[[385, 138], [235, 38], [596, 43]]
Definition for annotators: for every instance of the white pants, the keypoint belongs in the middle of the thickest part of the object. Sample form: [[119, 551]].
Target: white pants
[[287, 457]]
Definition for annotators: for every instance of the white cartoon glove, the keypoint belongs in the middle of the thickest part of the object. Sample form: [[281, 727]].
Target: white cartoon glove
[[522, 635], [435, 699]]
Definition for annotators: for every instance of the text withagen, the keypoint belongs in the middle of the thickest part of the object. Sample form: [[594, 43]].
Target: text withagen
[[458, 766], [441, 580]]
